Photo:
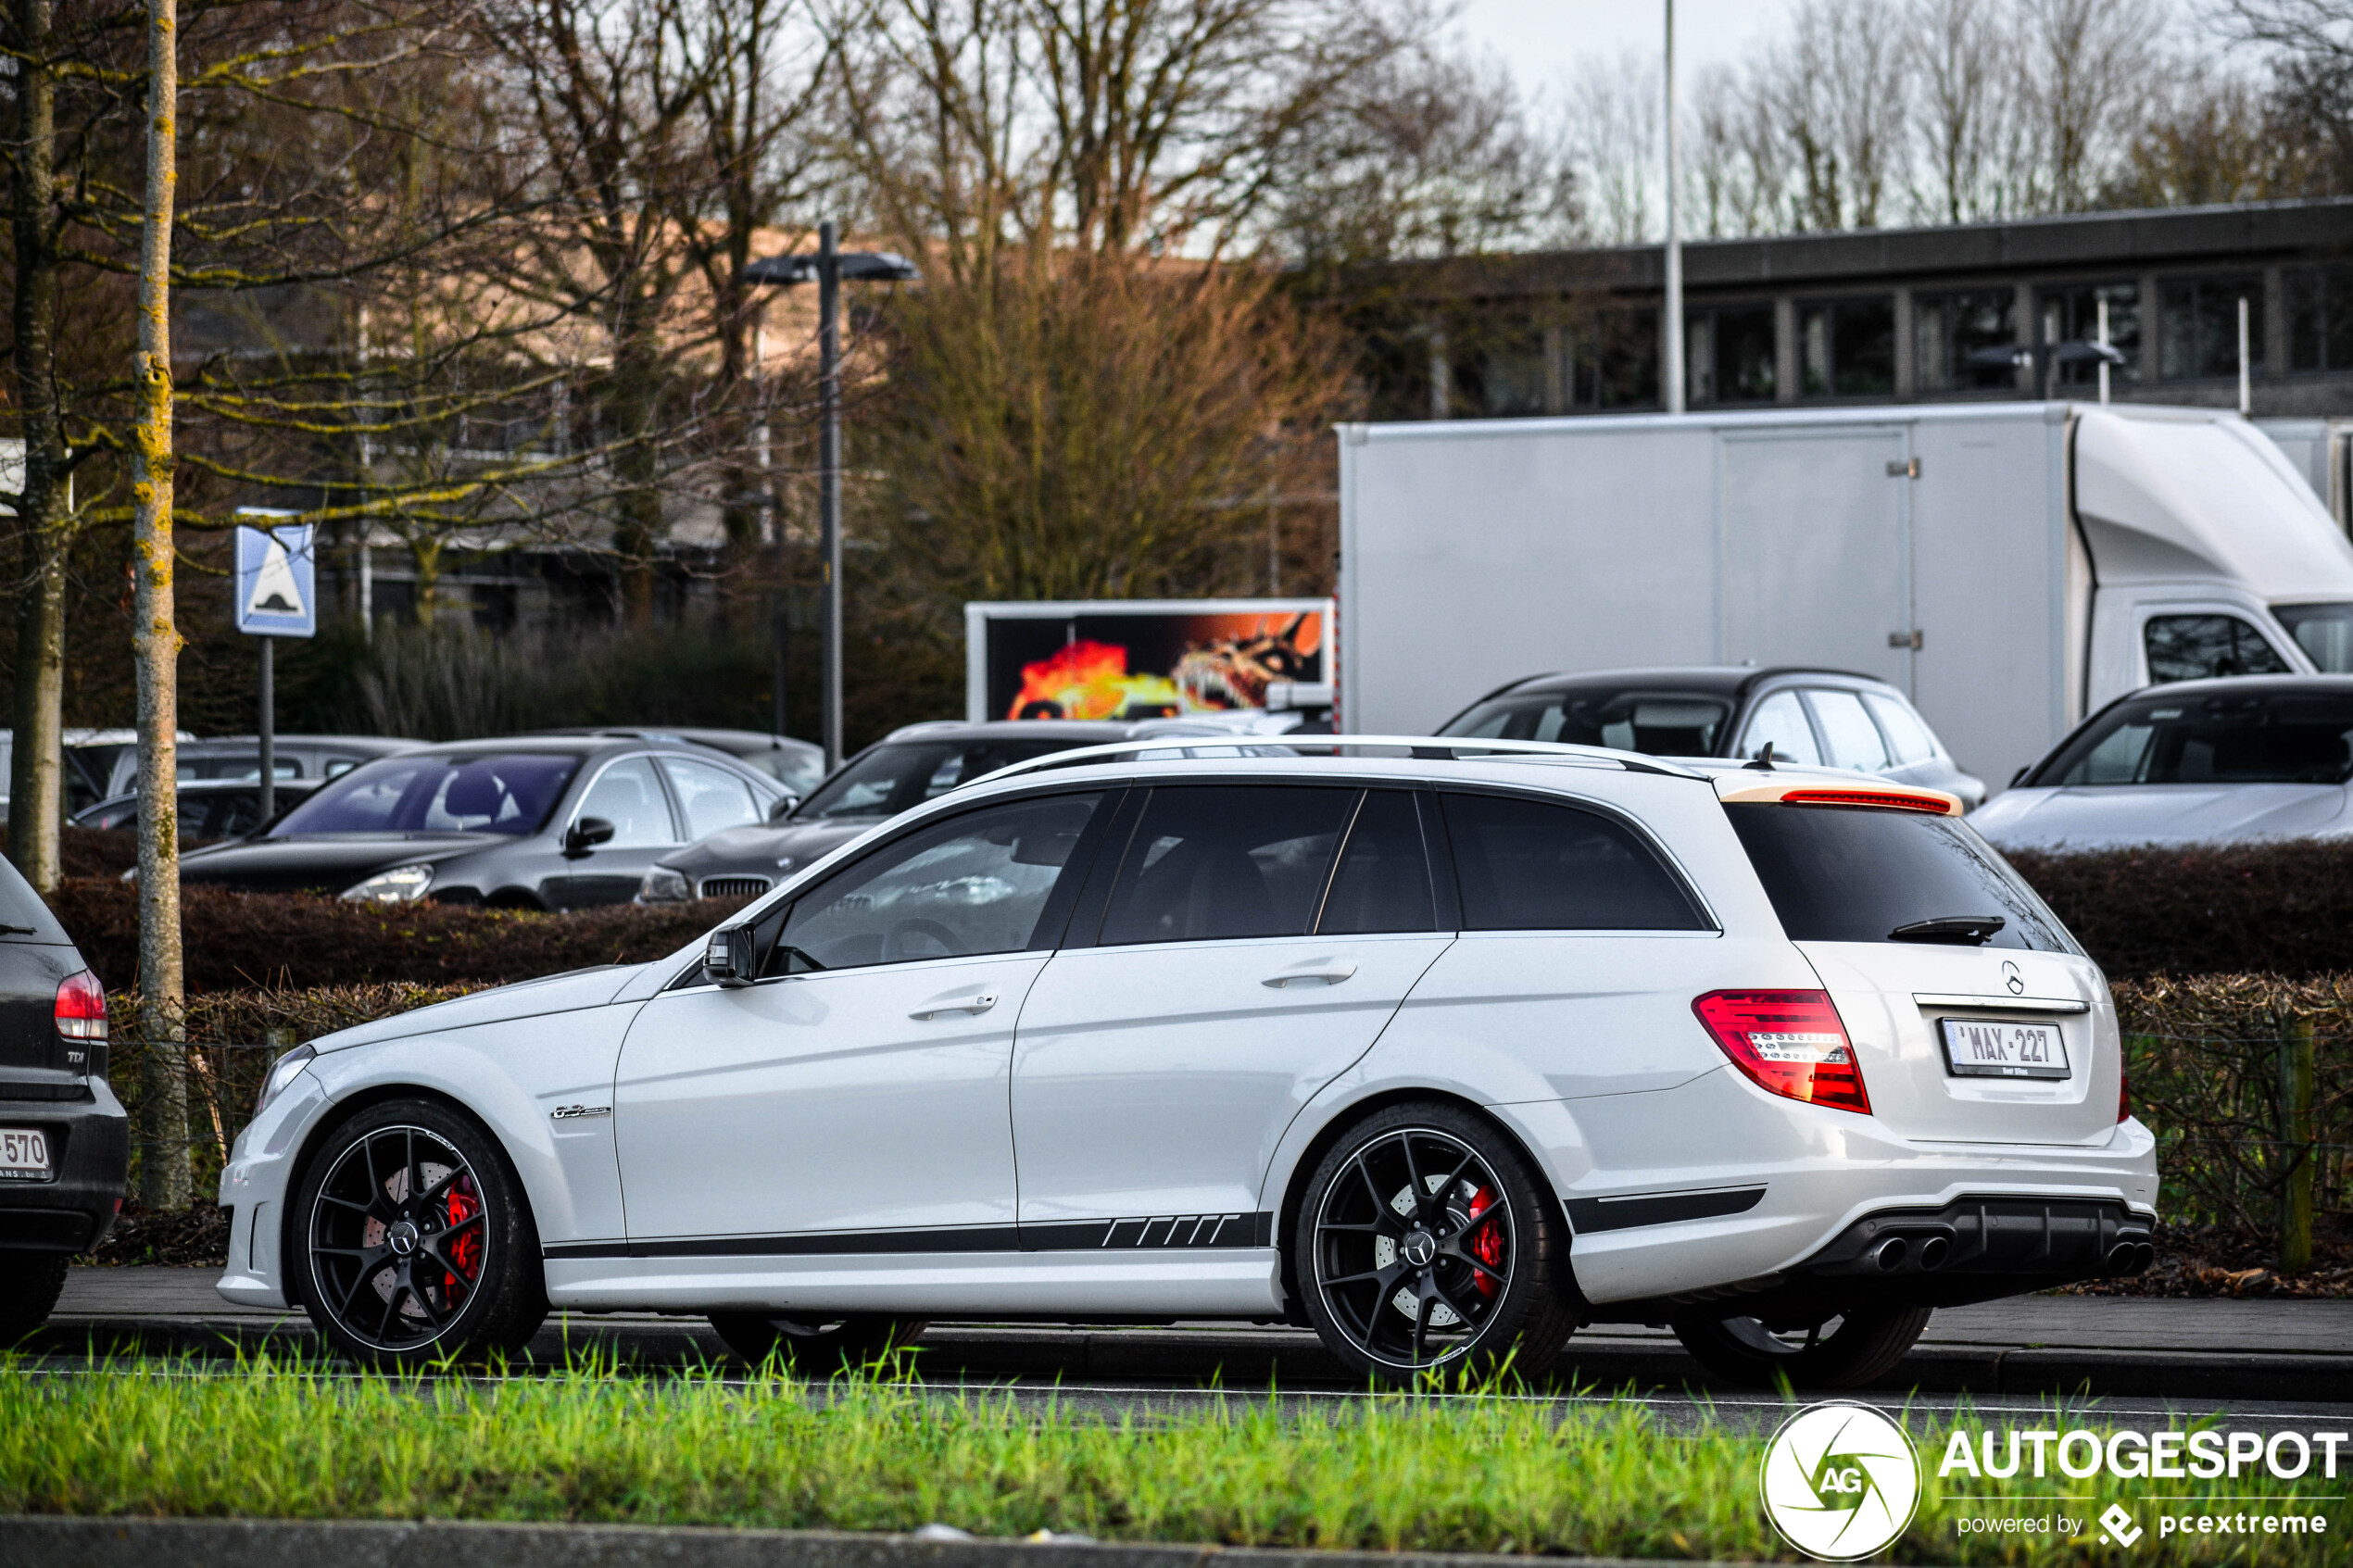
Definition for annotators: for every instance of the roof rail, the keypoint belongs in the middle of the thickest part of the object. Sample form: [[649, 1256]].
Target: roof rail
[[1434, 747]]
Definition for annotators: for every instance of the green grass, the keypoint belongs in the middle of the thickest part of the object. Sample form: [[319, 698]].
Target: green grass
[[280, 1439]]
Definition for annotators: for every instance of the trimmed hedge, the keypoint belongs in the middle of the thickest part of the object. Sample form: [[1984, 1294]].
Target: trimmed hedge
[[292, 941], [2284, 909]]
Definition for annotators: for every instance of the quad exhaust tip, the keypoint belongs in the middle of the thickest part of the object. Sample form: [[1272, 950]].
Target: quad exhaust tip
[[2131, 1257], [1890, 1254], [1934, 1251]]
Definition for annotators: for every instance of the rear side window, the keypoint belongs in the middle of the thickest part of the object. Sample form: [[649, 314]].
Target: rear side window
[[1779, 722], [1384, 881], [1529, 865], [1904, 732], [1213, 862], [1843, 874], [1854, 740], [2257, 738]]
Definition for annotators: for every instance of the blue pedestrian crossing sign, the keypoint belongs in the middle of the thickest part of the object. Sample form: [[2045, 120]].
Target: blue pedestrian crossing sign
[[277, 581]]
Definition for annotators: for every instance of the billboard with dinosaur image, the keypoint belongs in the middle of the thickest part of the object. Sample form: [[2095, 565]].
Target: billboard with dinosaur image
[[1139, 658]]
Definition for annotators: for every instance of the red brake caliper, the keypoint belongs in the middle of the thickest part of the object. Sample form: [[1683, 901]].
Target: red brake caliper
[[465, 1249], [1487, 1241]]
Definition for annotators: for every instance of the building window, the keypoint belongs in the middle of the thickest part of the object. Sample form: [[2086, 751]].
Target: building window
[[2319, 320], [2199, 326], [1847, 347], [1729, 355], [2071, 314], [1502, 376], [1613, 360], [1948, 328]]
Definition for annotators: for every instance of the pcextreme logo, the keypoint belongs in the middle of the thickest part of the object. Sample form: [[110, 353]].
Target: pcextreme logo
[[1840, 1481]]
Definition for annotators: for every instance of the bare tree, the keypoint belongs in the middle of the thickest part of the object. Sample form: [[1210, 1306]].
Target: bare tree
[[2311, 57], [156, 641], [1613, 133], [1973, 149], [2089, 63], [1839, 89], [1736, 159]]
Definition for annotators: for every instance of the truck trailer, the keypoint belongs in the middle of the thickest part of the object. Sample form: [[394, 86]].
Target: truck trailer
[[2011, 566]]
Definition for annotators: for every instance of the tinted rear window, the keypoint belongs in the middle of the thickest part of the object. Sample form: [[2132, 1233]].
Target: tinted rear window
[[1217, 862], [1842, 874], [1526, 865], [21, 909]]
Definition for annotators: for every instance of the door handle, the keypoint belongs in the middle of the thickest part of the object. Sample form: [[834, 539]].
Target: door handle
[[973, 1005], [1330, 971]]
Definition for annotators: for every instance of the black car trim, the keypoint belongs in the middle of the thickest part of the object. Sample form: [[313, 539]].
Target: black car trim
[[1142, 1233], [1590, 1214]]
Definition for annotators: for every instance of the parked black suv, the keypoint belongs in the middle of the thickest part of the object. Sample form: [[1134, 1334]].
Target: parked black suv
[[64, 1142]]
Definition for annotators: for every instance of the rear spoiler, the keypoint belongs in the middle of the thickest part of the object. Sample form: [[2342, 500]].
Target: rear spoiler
[[1744, 788]]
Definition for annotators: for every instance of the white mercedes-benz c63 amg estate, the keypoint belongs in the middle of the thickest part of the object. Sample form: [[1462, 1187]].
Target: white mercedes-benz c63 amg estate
[[1443, 1047]]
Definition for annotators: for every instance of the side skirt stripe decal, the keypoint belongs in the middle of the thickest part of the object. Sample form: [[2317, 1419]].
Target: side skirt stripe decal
[[1158, 1233], [1589, 1214]]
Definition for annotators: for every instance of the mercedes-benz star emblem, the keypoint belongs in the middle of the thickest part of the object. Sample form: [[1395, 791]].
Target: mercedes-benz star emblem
[[402, 1237], [2013, 979], [1420, 1248]]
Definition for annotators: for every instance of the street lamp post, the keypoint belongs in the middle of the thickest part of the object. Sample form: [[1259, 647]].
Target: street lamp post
[[829, 267]]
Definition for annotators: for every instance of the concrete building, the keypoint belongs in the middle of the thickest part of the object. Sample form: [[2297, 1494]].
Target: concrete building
[[1894, 315]]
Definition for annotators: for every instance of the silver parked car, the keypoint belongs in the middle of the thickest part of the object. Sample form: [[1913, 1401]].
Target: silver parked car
[[2219, 761], [907, 767], [1816, 717]]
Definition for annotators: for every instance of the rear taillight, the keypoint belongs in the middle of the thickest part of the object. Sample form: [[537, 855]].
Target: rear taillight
[[82, 1007], [1789, 1042], [2123, 1096]]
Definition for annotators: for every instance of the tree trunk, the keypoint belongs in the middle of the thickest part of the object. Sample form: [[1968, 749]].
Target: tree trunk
[[164, 1181], [36, 784]]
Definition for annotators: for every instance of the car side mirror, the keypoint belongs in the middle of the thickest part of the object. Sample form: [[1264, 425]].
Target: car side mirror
[[786, 804], [586, 835], [728, 958]]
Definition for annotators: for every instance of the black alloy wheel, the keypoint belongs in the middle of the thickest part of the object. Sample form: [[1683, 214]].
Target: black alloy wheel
[[823, 1346], [1425, 1249], [418, 1244], [1836, 1350]]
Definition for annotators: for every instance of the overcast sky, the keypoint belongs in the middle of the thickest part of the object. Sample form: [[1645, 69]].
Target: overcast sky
[[1540, 39]]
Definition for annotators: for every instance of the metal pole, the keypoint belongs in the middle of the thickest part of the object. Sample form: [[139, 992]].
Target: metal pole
[[1674, 333], [829, 475], [269, 728], [2247, 390], [2104, 345]]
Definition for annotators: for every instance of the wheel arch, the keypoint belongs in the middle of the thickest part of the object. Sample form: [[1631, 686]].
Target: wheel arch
[[1345, 1118]]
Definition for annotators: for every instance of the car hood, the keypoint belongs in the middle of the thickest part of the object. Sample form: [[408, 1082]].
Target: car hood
[[568, 992], [766, 849], [326, 863], [2124, 816]]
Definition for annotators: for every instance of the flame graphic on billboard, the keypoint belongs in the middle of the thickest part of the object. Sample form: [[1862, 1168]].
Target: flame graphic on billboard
[[1089, 680]]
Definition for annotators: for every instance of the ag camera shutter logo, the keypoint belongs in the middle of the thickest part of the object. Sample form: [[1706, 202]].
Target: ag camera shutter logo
[[1840, 1481]]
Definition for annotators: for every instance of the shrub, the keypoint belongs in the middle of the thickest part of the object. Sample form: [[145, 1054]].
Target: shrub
[[2284, 909], [279, 941]]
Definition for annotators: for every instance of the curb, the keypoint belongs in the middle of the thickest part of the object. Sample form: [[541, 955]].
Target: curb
[[1252, 1360], [56, 1542]]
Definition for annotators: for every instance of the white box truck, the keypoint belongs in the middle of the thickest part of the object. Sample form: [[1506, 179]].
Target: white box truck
[[2321, 450], [2007, 565]]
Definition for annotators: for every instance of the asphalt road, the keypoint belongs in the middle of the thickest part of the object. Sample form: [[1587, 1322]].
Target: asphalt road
[[2263, 1363]]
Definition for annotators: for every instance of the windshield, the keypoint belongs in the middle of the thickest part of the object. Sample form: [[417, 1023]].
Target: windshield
[[1837, 873], [2323, 631], [1663, 722], [510, 794], [2257, 738], [890, 779]]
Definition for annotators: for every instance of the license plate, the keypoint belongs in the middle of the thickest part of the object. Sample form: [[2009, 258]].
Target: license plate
[[1976, 1048], [24, 1154]]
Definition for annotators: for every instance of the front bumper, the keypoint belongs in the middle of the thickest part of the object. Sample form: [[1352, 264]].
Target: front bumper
[[89, 1151]]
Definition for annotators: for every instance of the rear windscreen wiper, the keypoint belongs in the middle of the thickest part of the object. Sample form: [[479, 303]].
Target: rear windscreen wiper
[[1960, 931]]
